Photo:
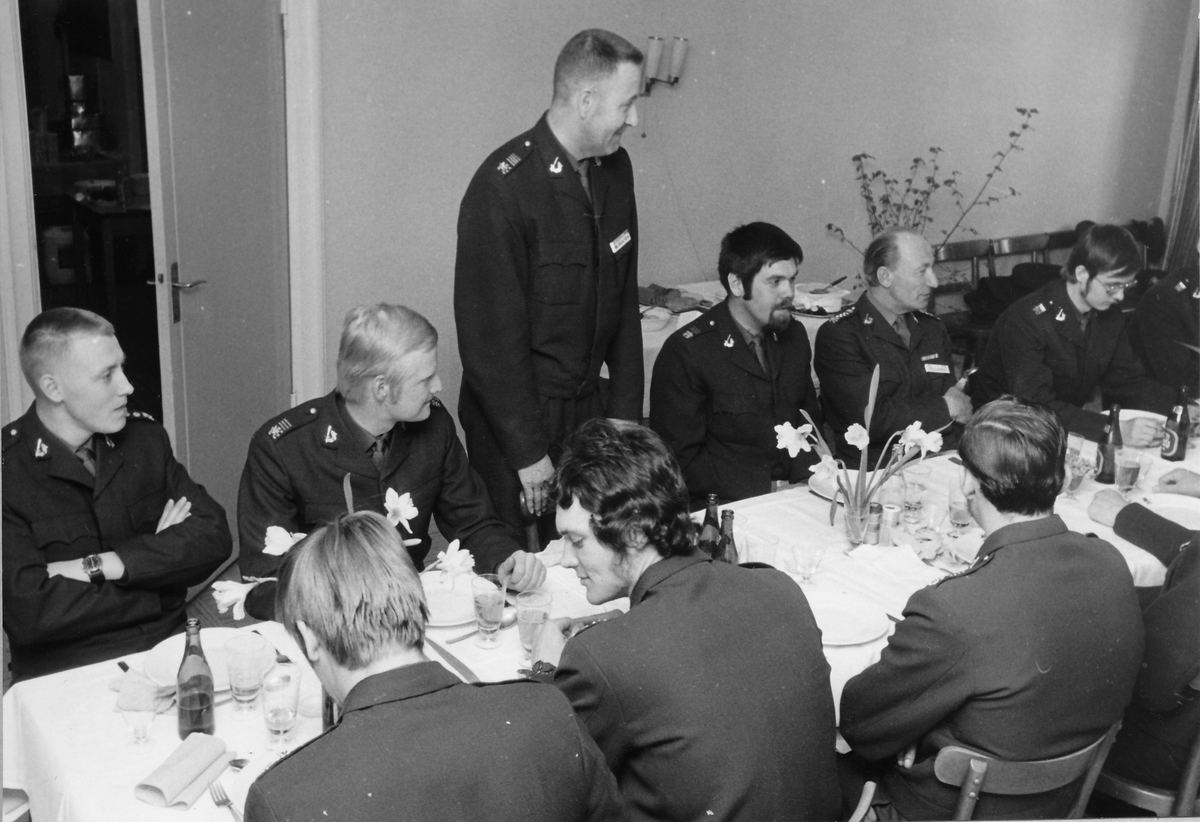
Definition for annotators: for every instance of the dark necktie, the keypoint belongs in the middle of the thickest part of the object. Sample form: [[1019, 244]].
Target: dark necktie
[[87, 456], [902, 329], [584, 167], [759, 351], [378, 451]]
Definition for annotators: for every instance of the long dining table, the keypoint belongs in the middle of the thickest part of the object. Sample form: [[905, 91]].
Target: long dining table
[[67, 747]]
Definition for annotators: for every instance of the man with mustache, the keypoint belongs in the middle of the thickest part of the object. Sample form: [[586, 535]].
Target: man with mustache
[[724, 381], [889, 327], [103, 529]]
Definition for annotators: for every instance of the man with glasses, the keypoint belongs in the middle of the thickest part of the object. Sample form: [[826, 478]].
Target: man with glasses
[[1058, 344]]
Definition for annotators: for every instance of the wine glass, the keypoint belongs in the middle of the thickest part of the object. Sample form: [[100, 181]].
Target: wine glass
[[1077, 470]]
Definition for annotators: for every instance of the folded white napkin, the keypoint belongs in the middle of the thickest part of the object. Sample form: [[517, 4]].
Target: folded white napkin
[[186, 774], [140, 693]]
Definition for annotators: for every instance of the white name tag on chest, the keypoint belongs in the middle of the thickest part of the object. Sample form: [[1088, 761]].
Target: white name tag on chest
[[622, 241], [936, 368]]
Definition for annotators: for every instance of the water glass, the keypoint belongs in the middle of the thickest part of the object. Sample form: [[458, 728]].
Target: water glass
[[808, 559], [280, 701], [1128, 469], [244, 655], [488, 592], [139, 722], [1078, 468], [916, 480], [533, 609], [960, 514]]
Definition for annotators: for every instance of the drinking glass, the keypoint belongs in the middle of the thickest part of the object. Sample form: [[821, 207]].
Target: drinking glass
[[960, 514], [533, 609], [280, 700], [1078, 468], [916, 480], [244, 655], [139, 722], [1129, 466], [488, 591], [808, 559]]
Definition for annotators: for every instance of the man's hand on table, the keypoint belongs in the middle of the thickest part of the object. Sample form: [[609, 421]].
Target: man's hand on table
[[1141, 432], [1105, 506], [523, 571], [1179, 481], [535, 481], [958, 403]]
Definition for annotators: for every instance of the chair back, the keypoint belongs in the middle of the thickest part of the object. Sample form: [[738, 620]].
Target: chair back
[[972, 250], [977, 773]]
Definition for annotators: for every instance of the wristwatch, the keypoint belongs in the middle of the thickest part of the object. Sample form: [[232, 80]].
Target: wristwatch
[[93, 566], [543, 671]]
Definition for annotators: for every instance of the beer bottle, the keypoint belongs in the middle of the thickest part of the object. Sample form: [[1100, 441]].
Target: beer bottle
[[729, 552], [194, 687], [710, 531], [1109, 445], [1175, 432]]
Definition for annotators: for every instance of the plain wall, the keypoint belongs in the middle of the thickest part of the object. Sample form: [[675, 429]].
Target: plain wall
[[776, 97]]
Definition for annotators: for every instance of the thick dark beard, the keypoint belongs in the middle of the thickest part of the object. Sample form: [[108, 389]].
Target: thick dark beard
[[778, 322]]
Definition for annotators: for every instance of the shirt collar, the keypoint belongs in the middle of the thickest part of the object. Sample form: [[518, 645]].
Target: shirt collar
[[1025, 531], [404, 682], [747, 334], [889, 317], [361, 436]]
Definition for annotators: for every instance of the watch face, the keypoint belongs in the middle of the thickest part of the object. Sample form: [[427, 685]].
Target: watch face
[[92, 565]]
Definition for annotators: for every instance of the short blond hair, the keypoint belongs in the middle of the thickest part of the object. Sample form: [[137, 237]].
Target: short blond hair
[[374, 338], [49, 334]]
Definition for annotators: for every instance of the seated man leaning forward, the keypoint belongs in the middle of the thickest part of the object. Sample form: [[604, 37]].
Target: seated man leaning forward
[[1164, 717], [103, 530], [711, 698], [1058, 344], [384, 428], [723, 382], [889, 328], [414, 742], [1031, 653]]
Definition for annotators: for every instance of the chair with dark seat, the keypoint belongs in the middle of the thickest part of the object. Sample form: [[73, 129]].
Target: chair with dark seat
[[968, 335], [1159, 801], [1034, 245], [978, 773]]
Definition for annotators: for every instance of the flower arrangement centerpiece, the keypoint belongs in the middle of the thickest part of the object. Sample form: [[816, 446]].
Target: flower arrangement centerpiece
[[902, 447]]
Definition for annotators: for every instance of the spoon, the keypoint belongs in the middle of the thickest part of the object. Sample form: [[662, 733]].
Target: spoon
[[508, 619]]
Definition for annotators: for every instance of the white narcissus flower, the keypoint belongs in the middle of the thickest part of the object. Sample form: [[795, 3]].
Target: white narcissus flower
[[793, 439], [827, 465], [914, 437], [232, 594], [454, 560], [857, 436], [278, 541], [400, 508]]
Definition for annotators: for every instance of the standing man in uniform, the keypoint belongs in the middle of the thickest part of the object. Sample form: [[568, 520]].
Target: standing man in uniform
[[545, 281], [103, 530], [385, 434], [1058, 344], [723, 382], [888, 327]]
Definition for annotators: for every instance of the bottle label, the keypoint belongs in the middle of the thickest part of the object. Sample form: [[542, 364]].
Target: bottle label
[[1170, 442]]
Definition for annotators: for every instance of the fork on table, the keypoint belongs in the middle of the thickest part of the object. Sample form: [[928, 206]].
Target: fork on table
[[220, 798]]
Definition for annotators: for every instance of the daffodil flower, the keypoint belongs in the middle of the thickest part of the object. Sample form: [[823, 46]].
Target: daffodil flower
[[400, 508], [455, 561], [793, 439], [828, 465], [278, 541], [229, 594], [914, 437], [857, 436]]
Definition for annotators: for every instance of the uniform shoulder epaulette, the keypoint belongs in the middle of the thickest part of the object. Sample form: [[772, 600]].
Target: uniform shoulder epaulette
[[291, 420], [975, 566], [513, 154], [845, 312], [141, 415], [701, 325]]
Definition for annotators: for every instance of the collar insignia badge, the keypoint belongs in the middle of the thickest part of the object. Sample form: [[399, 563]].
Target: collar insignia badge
[[108, 441], [729, 341], [330, 435], [41, 450], [1061, 315], [1039, 309], [868, 320], [556, 166]]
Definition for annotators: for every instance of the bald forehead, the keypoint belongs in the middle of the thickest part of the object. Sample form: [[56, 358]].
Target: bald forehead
[[913, 249]]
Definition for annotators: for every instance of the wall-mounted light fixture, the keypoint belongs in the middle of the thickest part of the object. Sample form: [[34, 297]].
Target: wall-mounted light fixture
[[653, 59]]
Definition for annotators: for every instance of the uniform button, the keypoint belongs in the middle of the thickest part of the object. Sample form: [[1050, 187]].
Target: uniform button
[[312, 410], [527, 143], [13, 432]]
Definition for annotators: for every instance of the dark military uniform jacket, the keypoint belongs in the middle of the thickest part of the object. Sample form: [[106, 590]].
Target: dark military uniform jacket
[[912, 380], [545, 292], [1029, 654], [1164, 717], [416, 743], [1038, 351], [55, 510], [294, 478], [1167, 316], [717, 408], [710, 699]]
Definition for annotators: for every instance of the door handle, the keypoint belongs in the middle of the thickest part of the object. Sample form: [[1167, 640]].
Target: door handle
[[186, 286]]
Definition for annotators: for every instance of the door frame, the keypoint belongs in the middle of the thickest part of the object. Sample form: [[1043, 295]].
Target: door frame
[[20, 293]]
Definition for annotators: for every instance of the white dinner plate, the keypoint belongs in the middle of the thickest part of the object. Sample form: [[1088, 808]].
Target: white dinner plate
[[1179, 509], [846, 619], [825, 485], [161, 664], [448, 606]]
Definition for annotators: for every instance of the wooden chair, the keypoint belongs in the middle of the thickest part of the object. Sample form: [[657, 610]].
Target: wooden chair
[[967, 250], [978, 773], [969, 335], [1161, 802], [1034, 245]]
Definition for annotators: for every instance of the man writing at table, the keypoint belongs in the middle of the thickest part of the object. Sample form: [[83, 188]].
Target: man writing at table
[[103, 530], [414, 742], [1161, 722], [1031, 653], [723, 382], [384, 428], [545, 279], [711, 698], [888, 328]]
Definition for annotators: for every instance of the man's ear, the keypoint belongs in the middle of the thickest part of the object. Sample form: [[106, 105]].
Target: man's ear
[[51, 387], [313, 649], [884, 276], [969, 484], [585, 102], [1082, 276], [735, 286], [381, 392]]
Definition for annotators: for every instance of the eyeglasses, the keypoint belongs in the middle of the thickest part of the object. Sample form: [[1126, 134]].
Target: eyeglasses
[[1119, 287]]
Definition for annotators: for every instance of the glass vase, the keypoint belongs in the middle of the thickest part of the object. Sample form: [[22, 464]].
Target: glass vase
[[856, 523]]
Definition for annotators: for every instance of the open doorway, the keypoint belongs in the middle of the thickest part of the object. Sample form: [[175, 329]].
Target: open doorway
[[87, 133]]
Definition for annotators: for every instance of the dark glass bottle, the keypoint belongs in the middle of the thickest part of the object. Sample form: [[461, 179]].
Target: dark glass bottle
[[710, 531], [729, 551], [1109, 445], [1175, 432], [194, 687]]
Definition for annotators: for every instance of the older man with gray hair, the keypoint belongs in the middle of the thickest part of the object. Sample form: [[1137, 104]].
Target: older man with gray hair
[[384, 428], [414, 742]]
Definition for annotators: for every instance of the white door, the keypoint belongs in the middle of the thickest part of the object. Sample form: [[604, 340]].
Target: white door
[[214, 95]]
